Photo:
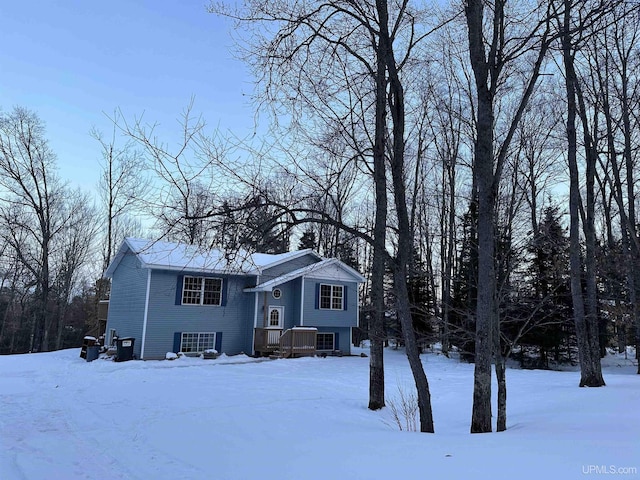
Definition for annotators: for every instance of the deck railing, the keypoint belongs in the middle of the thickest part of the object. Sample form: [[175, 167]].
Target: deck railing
[[267, 340], [298, 341], [295, 342]]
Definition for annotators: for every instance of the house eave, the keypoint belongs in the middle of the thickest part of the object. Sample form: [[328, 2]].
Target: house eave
[[194, 269], [290, 256], [309, 271]]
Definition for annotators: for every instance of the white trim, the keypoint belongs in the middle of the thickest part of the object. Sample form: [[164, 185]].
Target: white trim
[[315, 270], [350, 339], [202, 291], [146, 315], [302, 303], [357, 320], [331, 286], [285, 257], [182, 334], [280, 308], [357, 294], [162, 255], [111, 334], [255, 323], [255, 310]]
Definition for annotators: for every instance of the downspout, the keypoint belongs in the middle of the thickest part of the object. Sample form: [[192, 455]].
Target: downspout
[[146, 315], [255, 319], [357, 306], [357, 317], [302, 303]]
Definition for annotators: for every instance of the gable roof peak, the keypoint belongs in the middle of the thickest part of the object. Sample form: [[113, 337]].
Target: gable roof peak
[[159, 254]]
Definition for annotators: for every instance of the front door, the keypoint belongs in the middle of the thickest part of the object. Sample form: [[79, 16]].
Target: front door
[[275, 317]]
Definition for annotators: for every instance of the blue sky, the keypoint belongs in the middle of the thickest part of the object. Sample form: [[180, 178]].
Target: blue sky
[[72, 61]]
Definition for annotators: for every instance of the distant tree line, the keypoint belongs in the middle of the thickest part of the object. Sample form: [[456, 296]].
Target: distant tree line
[[477, 161]]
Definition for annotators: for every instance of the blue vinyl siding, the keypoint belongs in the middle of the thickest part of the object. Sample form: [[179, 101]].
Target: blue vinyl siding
[[290, 300], [342, 337], [316, 317], [126, 303], [166, 318], [233, 321]]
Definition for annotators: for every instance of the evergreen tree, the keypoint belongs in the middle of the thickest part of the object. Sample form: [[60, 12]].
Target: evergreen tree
[[616, 308], [464, 294], [346, 252], [308, 240], [542, 316], [422, 305], [260, 230]]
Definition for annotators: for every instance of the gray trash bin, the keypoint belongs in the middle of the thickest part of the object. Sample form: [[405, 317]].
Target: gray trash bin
[[124, 346], [93, 352]]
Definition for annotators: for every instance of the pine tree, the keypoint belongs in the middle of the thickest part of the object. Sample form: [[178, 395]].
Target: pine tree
[[261, 232], [549, 297], [346, 252], [464, 295], [422, 306], [308, 240]]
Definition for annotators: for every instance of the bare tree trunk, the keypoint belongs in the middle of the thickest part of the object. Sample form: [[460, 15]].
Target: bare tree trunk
[[634, 263], [627, 225], [501, 375], [499, 361], [483, 176], [447, 245], [405, 237], [488, 69], [583, 308], [377, 331], [411, 347]]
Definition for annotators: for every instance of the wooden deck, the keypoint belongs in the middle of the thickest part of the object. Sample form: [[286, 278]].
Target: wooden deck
[[266, 341], [294, 342]]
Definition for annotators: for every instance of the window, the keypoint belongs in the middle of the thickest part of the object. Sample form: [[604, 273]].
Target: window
[[331, 297], [197, 342], [325, 341], [276, 293], [274, 318], [111, 339], [201, 291]]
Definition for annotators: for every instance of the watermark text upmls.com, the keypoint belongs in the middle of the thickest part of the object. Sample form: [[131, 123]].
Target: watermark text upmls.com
[[608, 470]]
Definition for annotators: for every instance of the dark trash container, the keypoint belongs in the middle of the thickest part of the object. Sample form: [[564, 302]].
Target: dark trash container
[[124, 346], [92, 352]]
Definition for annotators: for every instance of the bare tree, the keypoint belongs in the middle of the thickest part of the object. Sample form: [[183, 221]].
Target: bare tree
[[15, 286], [360, 97], [187, 188], [72, 249], [447, 103], [31, 200], [611, 61], [121, 184], [578, 21], [498, 36]]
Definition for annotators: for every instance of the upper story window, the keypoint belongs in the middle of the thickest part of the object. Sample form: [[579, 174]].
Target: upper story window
[[276, 293], [331, 297], [201, 291]]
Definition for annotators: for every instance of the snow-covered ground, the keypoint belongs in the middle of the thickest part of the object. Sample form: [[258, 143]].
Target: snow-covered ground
[[235, 418]]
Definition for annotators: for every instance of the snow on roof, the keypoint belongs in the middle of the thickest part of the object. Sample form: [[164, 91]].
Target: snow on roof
[[268, 260], [178, 256], [309, 270]]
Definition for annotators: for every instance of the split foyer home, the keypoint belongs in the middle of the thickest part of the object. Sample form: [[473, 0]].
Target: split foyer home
[[172, 297]]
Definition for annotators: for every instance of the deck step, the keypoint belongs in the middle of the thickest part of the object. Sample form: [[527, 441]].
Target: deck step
[[279, 354]]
